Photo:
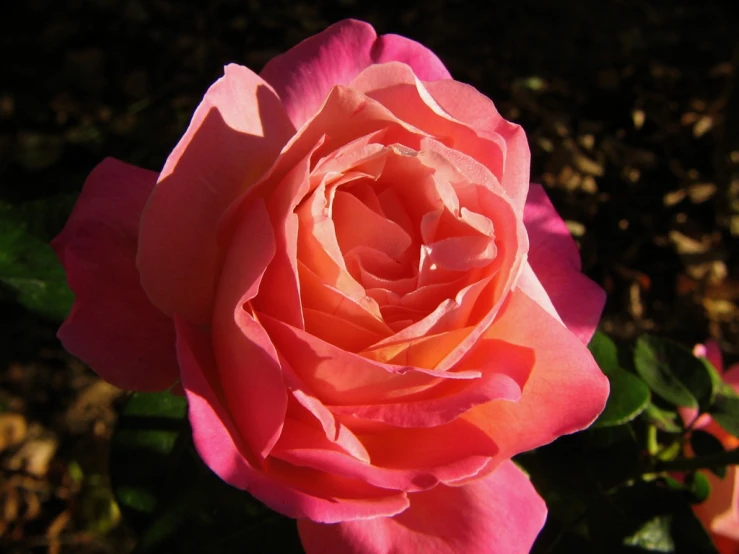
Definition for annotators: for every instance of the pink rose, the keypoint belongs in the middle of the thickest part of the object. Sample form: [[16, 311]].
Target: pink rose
[[720, 512], [369, 309]]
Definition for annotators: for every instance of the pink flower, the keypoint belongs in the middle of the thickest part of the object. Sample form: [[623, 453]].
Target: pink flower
[[720, 512], [369, 309]]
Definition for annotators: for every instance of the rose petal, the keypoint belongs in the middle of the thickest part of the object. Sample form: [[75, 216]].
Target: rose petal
[[505, 368], [479, 191], [428, 297], [564, 393], [464, 103], [282, 188], [357, 225], [424, 351], [282, 294], [400, 460], [462, 253], [345, 116], [555, 259], [367, 195], [479, 131], [234, 136], [529, 283], [320, 296], [395, 211], [292, 491], [113, 327], [432, 341], [344, 378], [453, 398], [499, 513], [248, 366], [338, 331], [308, 409], [375, 269], [305, 74]]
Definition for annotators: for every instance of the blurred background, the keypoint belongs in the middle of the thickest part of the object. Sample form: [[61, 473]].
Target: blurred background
[[631, 109]]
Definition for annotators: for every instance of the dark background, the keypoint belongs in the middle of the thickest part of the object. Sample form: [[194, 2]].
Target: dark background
[[631, 108]]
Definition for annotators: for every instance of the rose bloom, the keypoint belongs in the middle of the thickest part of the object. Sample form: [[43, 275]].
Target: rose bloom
[[367, 306], [719, 513]]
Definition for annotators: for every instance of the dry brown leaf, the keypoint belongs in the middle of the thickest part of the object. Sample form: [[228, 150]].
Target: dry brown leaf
[[636, 306], [92, 403], [702, 126], [13, 429], [638, 116], [720, 309], [34, 456], [587, 165], [575, 228], [701, 192], [11, 502], [687, 245]]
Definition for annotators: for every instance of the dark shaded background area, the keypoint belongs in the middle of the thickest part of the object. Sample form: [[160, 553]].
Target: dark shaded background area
[[631, 108]]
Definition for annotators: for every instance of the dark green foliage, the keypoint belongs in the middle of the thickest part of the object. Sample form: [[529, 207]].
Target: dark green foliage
[[29, 269], [174, 502]]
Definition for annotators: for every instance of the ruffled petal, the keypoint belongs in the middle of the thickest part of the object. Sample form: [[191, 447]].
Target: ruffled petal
[[305, 74], [113, 327], [458, 115], [500, 513], [555, 259], [454, 397], [564, 393], [235, 134], [248, 365], [339, 377], [464, 103], [406, 460], [292, 491]]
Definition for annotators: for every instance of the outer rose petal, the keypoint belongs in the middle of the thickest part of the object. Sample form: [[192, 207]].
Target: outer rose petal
[[248, 366], [305, 74], [565, 391], [235, 134], [112, 326], [509, 159], [500, 513], [221, 448], [554, 257]]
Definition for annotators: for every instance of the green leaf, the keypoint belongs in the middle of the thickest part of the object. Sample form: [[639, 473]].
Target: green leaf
[[654, 535], [673, 373], [695, 484], [45, 218], [703, 444], [605, 352], [716, 380], [725, 409], [698, 486], [29, 269], [646, 517], [629, 396], [175, 502], [143, 452], [665, 420]]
